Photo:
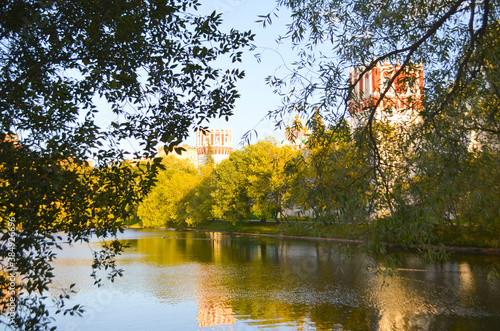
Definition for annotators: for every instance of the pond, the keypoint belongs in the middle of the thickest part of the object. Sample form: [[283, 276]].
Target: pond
[[187, 280]]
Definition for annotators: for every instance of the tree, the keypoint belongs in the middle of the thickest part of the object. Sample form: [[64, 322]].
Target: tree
[[267, 180], [444, 36], [210, 159], [230, 196], [197, 204], [163, 204], [330, 174], [456, 42], [62, 65], [252, 181]]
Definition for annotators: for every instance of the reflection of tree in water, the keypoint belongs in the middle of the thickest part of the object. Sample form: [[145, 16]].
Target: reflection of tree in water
[[301, 284], [434, 296], [269, 281]]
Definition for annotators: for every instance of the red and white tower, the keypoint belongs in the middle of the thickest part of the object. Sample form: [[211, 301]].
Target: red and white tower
[[401, 102], [219, 141]]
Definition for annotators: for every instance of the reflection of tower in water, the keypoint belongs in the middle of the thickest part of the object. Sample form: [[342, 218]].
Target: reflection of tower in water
[[212, 298], [210, 313]]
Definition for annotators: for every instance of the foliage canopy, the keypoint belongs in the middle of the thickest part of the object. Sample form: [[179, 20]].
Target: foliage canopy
[[419, 178], [67, 66]]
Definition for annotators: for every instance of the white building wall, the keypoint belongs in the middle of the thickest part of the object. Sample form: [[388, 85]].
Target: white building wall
[[219, 140]]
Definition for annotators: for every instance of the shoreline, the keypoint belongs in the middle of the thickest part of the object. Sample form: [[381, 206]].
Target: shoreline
[[452, 249]]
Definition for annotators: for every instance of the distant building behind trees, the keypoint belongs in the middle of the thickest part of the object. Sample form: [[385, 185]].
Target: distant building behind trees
[[218, 143], [398, 104], [214, 143], [189, 153], [296, 135]]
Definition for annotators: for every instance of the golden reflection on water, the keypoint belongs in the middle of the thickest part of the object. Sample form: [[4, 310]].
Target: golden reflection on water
[[212, 307], [293, 285], [272, 282], [467, 283], [399, 305]]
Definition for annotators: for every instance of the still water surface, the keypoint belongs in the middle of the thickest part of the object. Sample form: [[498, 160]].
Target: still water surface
[[184, 280]]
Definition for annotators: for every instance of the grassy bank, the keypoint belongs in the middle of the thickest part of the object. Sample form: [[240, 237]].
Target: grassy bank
[[301, 229], [452, 236]]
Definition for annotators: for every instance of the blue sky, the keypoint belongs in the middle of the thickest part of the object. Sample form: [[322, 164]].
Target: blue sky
[[257, 98]]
